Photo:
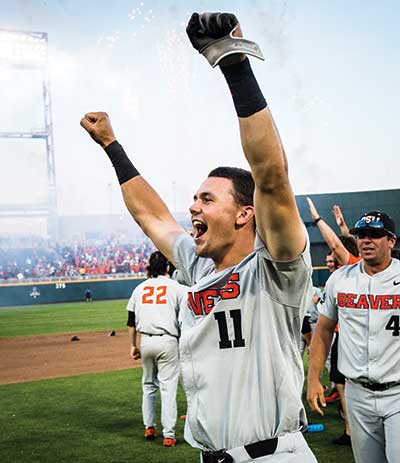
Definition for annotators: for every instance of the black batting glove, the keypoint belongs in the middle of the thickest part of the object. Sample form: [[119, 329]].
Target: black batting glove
[[205, 28]]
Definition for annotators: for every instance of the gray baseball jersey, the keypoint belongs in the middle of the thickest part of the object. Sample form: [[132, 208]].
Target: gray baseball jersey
[[239, 347], [369, 321], [156, 303]]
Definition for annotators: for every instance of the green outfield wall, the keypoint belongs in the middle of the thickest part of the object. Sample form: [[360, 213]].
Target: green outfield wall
[[320, 275], [14, 294], [66, 291]]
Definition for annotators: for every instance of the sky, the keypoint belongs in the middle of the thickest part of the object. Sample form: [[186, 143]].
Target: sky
[[330, 78]]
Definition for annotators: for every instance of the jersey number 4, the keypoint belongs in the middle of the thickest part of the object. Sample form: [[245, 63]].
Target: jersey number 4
[[394, 325], [152, 295], [224, 341]]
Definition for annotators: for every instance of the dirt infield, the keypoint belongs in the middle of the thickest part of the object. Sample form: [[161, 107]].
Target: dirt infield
[[34, 358]]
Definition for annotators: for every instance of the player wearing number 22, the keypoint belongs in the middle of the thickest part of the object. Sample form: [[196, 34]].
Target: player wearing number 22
[[365, 299], [250, 284], [153, 311]]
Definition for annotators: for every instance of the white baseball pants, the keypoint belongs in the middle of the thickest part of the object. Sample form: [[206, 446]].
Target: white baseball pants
[[374, 418], [160, 363]]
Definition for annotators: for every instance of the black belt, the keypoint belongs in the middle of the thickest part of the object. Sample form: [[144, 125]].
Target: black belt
[[255, 450], [378, 386], [164, 334]]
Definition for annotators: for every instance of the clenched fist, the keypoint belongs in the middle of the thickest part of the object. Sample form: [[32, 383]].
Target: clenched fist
[[203, 29], [99, 127]]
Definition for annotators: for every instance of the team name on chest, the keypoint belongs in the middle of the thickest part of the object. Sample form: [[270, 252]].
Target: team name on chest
[[202, 302], [368, 301]]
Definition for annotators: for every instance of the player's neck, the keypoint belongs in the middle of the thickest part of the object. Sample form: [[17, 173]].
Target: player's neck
[[235, 254], [372, 268]]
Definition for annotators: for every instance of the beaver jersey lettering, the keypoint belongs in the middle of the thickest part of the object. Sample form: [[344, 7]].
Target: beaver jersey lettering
[[368, 309]]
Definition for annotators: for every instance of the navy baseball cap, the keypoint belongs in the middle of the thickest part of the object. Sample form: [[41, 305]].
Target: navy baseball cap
[[375, 220]]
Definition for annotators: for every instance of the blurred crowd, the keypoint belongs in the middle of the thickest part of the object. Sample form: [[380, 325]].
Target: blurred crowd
[[75, 260]]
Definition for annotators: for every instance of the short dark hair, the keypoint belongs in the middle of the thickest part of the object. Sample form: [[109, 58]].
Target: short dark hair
[[243, 183], [350, 244], [158, 265]]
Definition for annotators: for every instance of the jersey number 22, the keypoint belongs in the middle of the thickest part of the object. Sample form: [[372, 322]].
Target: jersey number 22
[[153, 295]]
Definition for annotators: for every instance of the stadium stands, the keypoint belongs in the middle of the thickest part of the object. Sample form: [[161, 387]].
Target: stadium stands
[[44, 261]]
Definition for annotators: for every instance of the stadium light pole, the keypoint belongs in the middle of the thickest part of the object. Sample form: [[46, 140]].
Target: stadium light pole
[[29, 50]]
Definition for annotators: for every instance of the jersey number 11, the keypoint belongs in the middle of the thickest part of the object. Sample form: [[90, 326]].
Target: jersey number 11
[[225, 342]]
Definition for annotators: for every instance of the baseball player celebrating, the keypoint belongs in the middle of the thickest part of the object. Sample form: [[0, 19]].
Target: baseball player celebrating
[[153, 311], [239, 346], [365, 299]]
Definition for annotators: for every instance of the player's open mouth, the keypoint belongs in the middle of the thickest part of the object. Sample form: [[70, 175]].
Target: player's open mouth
[[199, 228]]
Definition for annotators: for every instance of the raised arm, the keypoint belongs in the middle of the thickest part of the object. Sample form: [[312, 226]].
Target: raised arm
[[278, 220], [143, 203], [332, 240], [344, 229]]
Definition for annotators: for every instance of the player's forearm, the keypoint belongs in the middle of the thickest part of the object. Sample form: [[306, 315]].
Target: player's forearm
[[260, 138], [132, 336], [344, 229], [145, 205], [330, 237], [140, 198], [152, 215], [333, 242], [319, 349]]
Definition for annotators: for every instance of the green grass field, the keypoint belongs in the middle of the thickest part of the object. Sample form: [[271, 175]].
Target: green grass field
[[97, 417], [62, 318]]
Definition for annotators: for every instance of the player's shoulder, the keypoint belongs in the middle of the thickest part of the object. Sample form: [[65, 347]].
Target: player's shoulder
[[147, 282], [395, 265], [342, 273], [299, 265], [348, 270], [171, 282]]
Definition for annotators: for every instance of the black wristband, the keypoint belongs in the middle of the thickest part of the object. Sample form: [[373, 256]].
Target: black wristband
[[246, 93], [124, 168], [317, 219]]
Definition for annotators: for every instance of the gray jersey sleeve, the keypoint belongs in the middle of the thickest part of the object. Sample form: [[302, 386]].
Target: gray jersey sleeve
[[131, 303], [288, 282], [182, 302], [179, 277], [328, 306]]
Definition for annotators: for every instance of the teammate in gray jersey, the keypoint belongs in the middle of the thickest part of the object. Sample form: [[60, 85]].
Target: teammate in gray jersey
[[365, 298], [153, 311], [239, 346]]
